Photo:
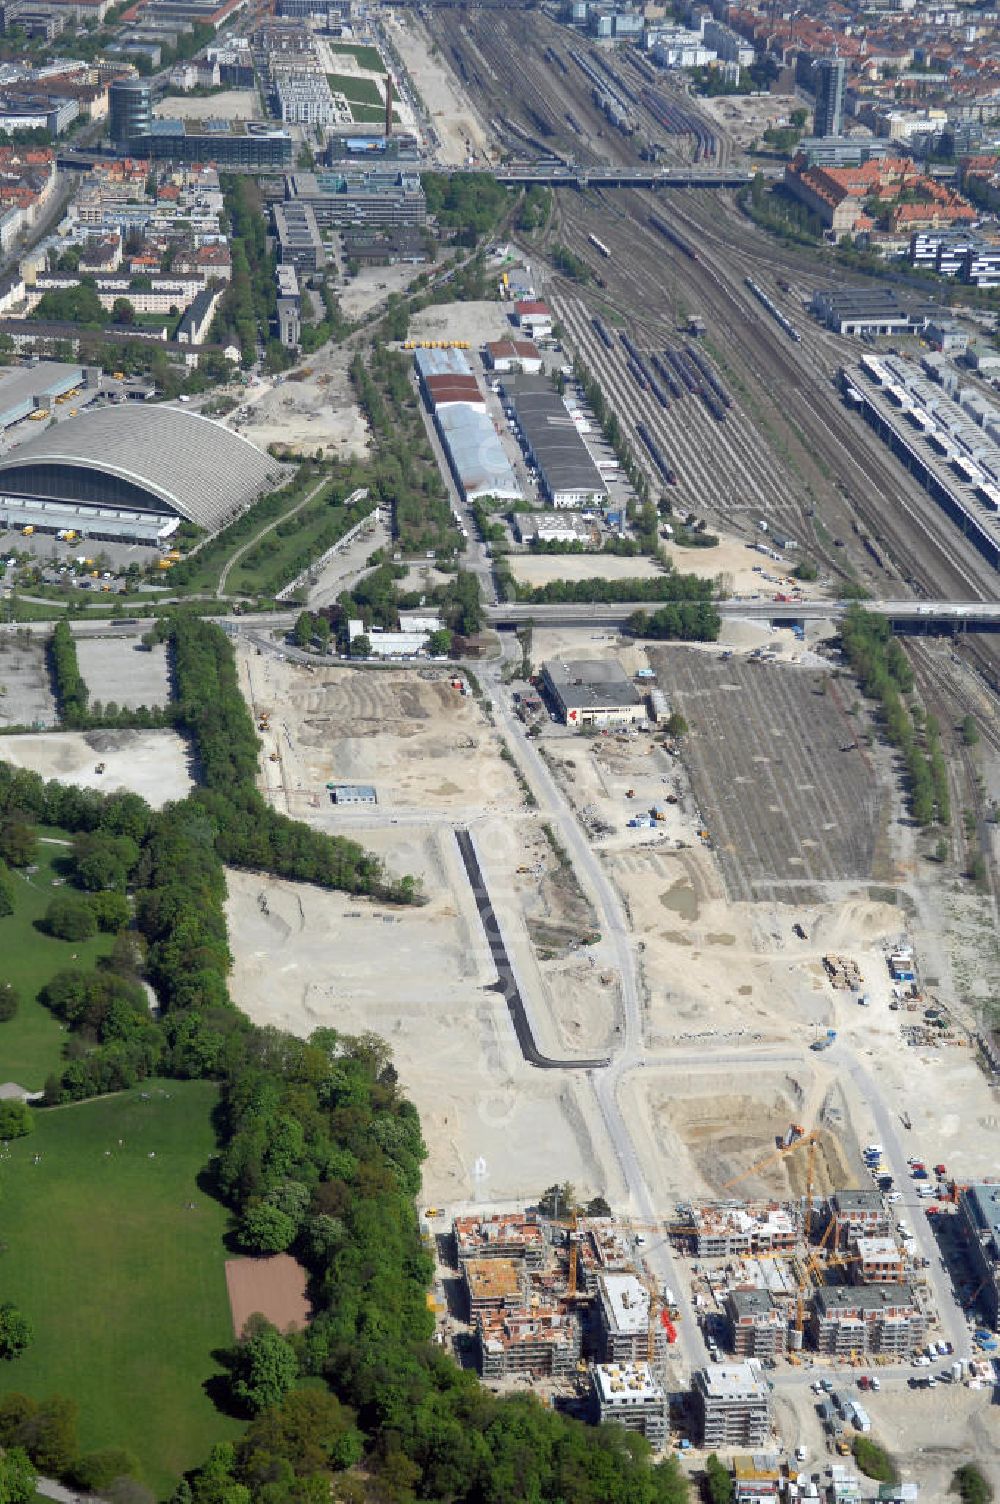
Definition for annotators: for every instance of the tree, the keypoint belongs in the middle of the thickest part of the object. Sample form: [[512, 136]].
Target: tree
[[439, 643], [96, 1471], [304, 629], [10, 1001], [17, 1477], [361, 646], [718, 1481], [16, 1120], [122, 311], [15, 1331], [970, 731], [971, 1484], [263, 1367], [103, 860], [18, 842], [70, 917], [874, 1461], [676, 724], [266, 1229], [6, 891]]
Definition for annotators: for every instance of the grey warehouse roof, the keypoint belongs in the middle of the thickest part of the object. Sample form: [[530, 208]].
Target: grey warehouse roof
[[20, 386], [475, 451], [190, 464], [597, 684], [552, 437]]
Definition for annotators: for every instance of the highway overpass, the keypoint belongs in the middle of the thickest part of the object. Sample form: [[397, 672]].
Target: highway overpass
[[976, 616]]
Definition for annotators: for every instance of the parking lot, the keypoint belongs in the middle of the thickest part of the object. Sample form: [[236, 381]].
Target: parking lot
[[26, 697], [122, 671], [787, 799]]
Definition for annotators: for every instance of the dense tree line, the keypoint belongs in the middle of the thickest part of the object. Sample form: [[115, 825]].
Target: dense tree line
[[406, 477], [671, 586], [683, 621], [881, 665], [472, 204]]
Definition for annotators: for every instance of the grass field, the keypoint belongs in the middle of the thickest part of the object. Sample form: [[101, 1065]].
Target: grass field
[[356, 90], [368, 114], [117, 1259], [31, 1043], [368, 58]]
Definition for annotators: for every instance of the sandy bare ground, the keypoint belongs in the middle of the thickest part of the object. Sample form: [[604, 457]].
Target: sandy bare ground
[[372, 286], [316, 412], [449, 107], [421, 979], [154, 764], [542, 569], [231, 104], [274, 1287]]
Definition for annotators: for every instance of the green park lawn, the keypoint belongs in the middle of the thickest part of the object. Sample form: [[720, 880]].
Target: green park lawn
[[368, 58], [116, 1257], [356, 90], [31, 1042]]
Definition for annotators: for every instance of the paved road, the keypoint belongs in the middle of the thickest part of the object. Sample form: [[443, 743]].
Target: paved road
[[950, 1315], [608, 1083], [507, 981]]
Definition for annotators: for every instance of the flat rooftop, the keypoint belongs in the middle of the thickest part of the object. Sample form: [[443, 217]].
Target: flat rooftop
[[626, 1303], [626, 1383], [732, 1381], [831, 1298], [595, 683], [494, 1279]]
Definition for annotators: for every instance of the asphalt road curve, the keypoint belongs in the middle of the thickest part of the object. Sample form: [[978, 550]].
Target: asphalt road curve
[[507, 983]]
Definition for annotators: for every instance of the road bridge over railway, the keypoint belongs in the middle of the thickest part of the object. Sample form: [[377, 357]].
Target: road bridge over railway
[[976, 616]]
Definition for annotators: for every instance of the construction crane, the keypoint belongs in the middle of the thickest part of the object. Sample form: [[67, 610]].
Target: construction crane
[[658, 1315], [794, 1139]]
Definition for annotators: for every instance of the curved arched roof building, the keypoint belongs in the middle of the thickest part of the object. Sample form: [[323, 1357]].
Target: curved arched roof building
[[148, 463]]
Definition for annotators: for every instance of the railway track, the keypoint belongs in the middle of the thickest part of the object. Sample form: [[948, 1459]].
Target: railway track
[[845, 451], [942, 692]]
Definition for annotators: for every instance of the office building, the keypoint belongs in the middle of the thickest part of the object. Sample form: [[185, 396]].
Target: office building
[[733, 1405], [593, 692], [877, 1261], [360, 195], [501, 1235], [130, 109], [300, 243], [857, 1214], [494, 1285], [828, 74], [630, 1395]]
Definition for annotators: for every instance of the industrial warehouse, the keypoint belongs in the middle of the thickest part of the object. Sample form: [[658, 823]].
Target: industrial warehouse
[[132, 473], [568, 475], [471, 443]]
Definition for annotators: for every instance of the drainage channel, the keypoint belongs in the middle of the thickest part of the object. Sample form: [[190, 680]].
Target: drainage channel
[[507, 984]]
